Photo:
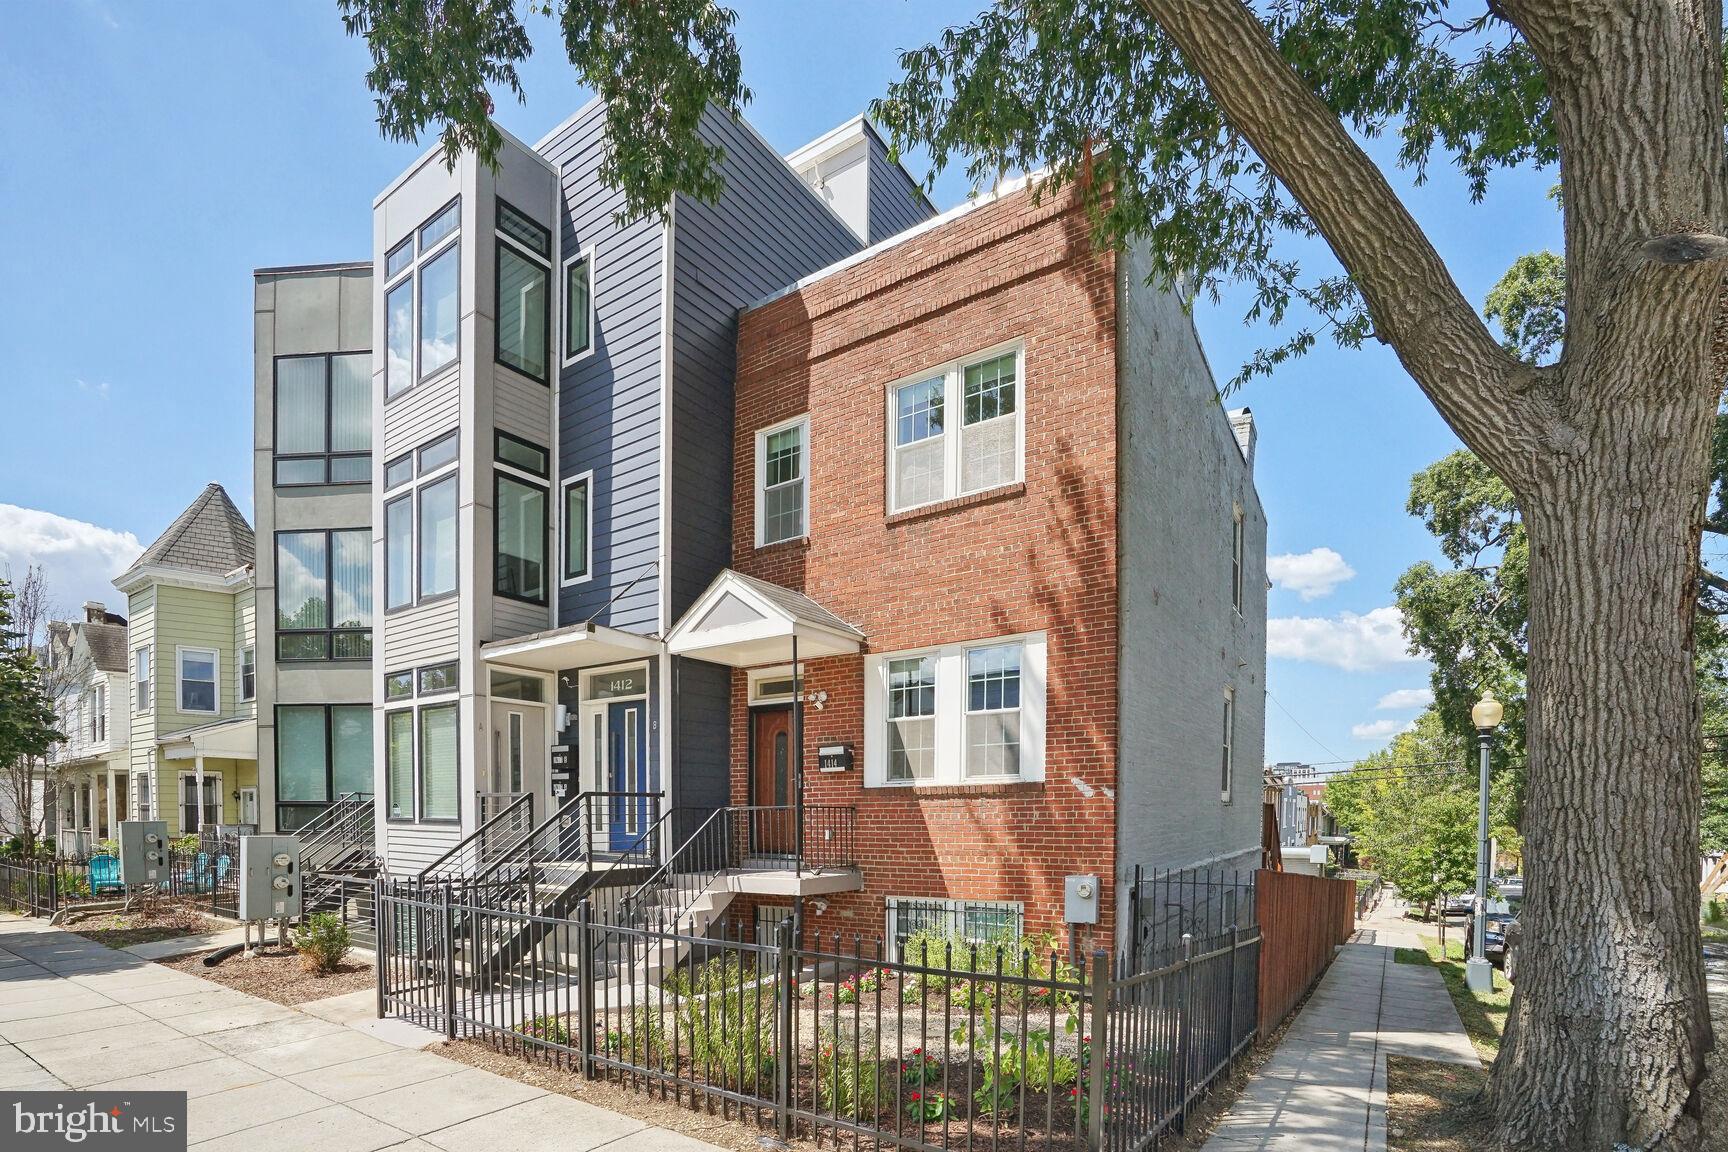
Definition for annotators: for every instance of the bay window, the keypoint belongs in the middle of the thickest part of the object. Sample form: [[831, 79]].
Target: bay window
[[522, 303], [324, 595], [437, 763], [933, 457], [399, 764], [420, 525], [422, 302], [520, 539]]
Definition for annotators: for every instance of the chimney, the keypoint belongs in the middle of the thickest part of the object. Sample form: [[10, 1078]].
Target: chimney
[[1242, 424], [95, 612]]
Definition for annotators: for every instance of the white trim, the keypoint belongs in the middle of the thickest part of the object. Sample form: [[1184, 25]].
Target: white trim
[[564, 579], [180, 798], [761, 470], [1227, 747], [132, 580], [240, 693], [148, 703], [180, 651], [953, 374], [567, 359], [755, 676]]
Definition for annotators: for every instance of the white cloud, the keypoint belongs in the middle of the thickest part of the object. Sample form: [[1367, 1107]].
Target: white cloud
[[1402, 698], [1380, 729], [78, 560], [1311, 574], [1348, 641], [97, 388]]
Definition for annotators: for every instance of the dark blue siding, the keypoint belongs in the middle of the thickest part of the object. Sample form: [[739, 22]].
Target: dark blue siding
[[896, 201], [700, 735]]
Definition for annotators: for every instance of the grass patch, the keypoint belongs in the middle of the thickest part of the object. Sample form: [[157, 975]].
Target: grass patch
[[1435, 1107], [1484, 1015]]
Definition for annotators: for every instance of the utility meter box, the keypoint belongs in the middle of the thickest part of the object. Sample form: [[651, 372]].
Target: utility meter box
[[143, 852], [269, 877], [1080, 899]]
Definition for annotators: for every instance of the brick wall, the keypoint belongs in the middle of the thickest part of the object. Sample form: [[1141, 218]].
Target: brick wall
[[1037, 556]]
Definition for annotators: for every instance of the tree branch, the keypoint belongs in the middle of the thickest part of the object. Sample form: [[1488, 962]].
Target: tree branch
[[1500, 406]]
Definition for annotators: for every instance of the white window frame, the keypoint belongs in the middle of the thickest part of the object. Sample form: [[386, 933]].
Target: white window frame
[[802, 423], [248, 655], [184, 775], [564, 579], [953, 375], [569, 357], [141, 795], [955, 908], [1227, 756], [180, 653], [1238, 558], [143, 683], [756, 676], [951, 713]]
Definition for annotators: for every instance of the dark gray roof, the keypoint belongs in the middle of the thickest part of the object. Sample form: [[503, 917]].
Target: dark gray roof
[[107, 644], [211, 537], [794, 604]]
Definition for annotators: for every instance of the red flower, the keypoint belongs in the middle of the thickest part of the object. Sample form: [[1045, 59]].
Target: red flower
[[917, 1096]]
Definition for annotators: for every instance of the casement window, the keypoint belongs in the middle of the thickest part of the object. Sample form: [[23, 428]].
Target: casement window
[[782, 490], [323, 419], [420, 524], [960, 714], [197, 810], [520, 527], [1237, 543], [971, 921], [422, 302], [933, 456], [323, 595], [323, 751], [197, 679], [578, 528], [1228, 769], [523, 300], [578, 306], [141, 697], [249, 664]]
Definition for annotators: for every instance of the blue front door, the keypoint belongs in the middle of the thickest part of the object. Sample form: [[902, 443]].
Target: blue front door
[[627, 771]]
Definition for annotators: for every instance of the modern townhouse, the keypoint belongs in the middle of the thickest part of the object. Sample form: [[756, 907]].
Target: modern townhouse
[[983, 481], [313, 480], [87, 671], [193, 743], [552, 476]]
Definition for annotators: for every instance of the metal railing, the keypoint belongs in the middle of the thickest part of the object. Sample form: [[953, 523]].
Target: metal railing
[[1164, 906], [341, 834], [590, 832], [985, 1047], [350, 898], [496, 835]]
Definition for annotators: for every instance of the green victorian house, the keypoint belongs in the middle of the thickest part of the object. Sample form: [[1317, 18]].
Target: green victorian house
[[193, 752]]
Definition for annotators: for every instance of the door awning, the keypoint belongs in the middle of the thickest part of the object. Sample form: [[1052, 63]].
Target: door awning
[[744, 622], [235, 739], [584, 645]]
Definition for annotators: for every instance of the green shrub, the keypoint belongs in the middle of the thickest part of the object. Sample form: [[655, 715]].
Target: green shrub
[[1716, 911], [641, 1037], [322, 941], [552, 1029], [851, 1085]]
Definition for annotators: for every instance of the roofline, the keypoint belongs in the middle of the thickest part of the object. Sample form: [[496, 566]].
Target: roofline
[[1002, 191], [820, 148], [420, 162], [129, 581], [298, 269]]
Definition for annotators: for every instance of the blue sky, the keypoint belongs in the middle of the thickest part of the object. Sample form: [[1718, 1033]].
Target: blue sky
[[156, 154]]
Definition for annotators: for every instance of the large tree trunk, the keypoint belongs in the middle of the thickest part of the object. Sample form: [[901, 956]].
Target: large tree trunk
[[1609, 1023]]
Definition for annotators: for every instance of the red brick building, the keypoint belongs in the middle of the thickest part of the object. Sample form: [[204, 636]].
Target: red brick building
[[943, 445]]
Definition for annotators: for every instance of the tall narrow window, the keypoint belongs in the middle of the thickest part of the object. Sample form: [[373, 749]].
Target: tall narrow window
[[1236, 551], [399, 764], [438, 538], [781, 490], [577, 531], [987, 427], [440, 310], [438, 763], [578, 306], [912, 718], [399, 553], [141, 680], [399, 339], [520, 545], [523, 303], [422, 302], [350, 750], [248, 673], [993, 711], [197, 680], [919, 452], [1229, 760]]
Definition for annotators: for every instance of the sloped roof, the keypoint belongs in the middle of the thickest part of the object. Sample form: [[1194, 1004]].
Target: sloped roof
[[107, 644], [795, 604], [211, 537]]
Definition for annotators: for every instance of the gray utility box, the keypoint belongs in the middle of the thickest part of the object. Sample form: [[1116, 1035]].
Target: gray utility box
[[1080, 899], [269, 877], [143, 852]]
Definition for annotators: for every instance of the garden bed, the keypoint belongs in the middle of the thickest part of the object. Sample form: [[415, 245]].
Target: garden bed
[[276, 974], [163, 920]]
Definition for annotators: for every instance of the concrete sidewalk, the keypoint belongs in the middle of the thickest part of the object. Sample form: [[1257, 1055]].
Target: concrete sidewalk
[[75, 1014], [1324, 1089]]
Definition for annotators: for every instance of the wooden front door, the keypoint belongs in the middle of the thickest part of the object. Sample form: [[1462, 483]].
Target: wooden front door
[[771, 780]]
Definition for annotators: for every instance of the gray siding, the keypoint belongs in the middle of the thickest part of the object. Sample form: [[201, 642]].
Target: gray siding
[[1182, 643], [609, 402], [896, 201], [701, 734], [766, 231]]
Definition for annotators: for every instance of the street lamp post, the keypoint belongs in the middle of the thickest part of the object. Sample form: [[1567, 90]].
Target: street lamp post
[[1478, 973]]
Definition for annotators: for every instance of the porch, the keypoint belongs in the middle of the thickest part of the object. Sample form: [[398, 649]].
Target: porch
[[208, 776]]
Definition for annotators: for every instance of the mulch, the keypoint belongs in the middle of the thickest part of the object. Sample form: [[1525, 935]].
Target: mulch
[[165, 921], [1433, 1106], [275, 974]]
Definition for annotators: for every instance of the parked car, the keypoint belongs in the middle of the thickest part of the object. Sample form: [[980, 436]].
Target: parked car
[[1510, 887], [1493, 940], [1462, 905], [1511, 934]]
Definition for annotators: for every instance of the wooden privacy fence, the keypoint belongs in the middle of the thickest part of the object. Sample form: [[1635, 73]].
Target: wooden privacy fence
[[1302, 918]]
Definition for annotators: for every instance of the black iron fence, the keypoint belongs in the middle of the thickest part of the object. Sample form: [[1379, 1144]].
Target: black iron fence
[[950, 1044], [204, 874], [1164, 906]]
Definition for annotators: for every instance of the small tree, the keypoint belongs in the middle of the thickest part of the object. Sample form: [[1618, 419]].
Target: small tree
[[29, 727]]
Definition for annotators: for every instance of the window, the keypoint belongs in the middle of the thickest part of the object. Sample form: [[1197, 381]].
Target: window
[[578, 306], [141, 795], [912, 718], [1236, 547], [993, 711], [323, 419], [197, 680], [1229, 761], [977, 921], [399, 685], [324, 595], [782, 495], [141, 680], [323, 751], [98, 713], [438, 763], [960, 714], [422, 302], [191, 818], [399, 764], [519, 453], [578, 528], [248, 672], [930, 459], [523, 301], [438, 678], [420, 525], [519, 526]]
